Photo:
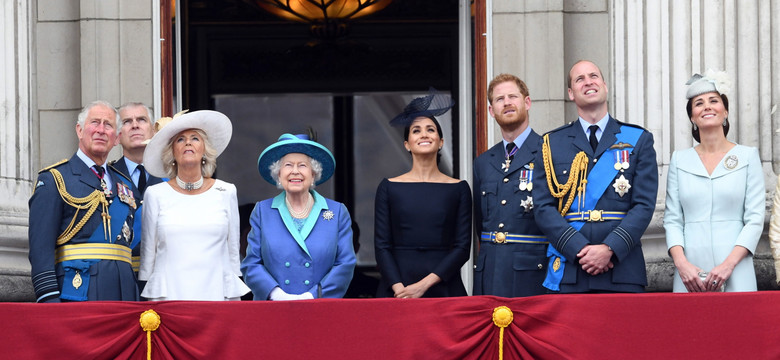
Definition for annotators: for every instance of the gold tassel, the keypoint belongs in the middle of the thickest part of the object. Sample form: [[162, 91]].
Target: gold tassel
[[502, 317], [150, 321]]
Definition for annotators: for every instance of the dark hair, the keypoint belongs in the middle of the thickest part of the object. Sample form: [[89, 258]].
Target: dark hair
[[695, 131], [407, 128]]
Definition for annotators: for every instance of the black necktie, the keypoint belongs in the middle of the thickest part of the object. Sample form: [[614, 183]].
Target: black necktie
[[141, 178], [509, 147], [594, 142], [99, 171]]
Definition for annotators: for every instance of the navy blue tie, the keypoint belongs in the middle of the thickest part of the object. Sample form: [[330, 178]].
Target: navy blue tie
[[594, 142]]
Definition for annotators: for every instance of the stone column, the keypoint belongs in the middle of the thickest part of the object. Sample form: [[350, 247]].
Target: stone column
[[657, 45], [15, 164]]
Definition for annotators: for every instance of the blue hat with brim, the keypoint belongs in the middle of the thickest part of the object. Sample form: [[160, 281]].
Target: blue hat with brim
[[288, 144]]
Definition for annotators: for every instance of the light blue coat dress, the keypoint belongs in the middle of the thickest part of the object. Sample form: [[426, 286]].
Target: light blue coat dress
[[710, 214], [319, 259]]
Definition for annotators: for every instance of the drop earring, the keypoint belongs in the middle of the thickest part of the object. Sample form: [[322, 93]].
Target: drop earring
[[695, 127], [203, 161], [725, 122]]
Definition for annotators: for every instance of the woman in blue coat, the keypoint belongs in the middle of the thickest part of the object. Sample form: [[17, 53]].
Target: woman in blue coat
[[300, 245], [714, 198]]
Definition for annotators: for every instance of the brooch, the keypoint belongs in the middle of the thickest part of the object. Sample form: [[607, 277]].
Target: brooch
[[621, 185], [327, 215], [219, 188], [731, 162]]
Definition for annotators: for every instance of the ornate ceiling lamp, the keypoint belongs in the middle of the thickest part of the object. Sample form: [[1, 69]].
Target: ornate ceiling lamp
[[328, 18]]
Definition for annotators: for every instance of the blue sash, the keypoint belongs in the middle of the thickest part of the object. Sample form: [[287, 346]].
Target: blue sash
[[601, 175]]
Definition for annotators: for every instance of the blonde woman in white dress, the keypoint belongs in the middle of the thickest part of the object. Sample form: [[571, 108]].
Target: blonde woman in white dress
[[190, 228]]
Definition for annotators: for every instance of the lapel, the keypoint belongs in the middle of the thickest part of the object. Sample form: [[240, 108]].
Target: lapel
[[608, 137], [526, 153], [578, 138], [81, 171], [121, 167], [496, 154], [690, 162], [308, 225]]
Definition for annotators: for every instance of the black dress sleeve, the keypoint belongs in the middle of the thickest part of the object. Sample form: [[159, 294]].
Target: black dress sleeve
[[383, 237], [459, 252]]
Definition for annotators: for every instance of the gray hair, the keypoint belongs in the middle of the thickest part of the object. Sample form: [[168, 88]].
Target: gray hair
[[152, 120], [85, 111], [210, 155], [316, 171]]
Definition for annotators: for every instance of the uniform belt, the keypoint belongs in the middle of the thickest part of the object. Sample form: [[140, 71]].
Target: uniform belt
[[93, 251], [136, 263], [499, 237], [595, 215]]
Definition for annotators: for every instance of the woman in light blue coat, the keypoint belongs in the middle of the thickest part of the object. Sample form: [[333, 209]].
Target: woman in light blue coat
[[300, 245], [714, 198]]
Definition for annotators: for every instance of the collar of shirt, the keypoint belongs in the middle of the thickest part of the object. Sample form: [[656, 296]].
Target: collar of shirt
[[602, 124], [520, 139], [131, 167], [90, 163]]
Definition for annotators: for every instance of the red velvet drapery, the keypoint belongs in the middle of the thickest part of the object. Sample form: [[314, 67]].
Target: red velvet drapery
[[611, 326]]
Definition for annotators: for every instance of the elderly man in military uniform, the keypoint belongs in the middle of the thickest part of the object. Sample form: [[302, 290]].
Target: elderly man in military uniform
[[135, 129], [512, 249], [595, 189], [81, 219]]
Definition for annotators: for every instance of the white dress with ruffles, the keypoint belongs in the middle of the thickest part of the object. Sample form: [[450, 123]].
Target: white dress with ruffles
[[190, 244]]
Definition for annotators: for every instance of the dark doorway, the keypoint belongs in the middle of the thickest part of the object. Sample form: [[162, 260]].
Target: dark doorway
[[271, 76]]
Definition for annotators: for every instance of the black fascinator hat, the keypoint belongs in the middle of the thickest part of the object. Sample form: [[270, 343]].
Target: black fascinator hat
[[433, 104]]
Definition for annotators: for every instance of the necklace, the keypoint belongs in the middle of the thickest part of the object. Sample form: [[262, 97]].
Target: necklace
[[188, 185], [303, 213]]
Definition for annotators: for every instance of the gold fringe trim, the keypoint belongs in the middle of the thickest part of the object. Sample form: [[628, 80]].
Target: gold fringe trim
[[89, 203], [578, 178], [502, 317], [150, 321]]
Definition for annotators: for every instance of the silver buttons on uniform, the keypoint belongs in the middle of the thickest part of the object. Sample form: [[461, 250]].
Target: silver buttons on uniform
[[501, 225], [506, 180], [503, 202], [540, 266]]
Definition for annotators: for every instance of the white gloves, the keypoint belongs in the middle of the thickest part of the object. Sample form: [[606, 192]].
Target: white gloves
[[277, 294]]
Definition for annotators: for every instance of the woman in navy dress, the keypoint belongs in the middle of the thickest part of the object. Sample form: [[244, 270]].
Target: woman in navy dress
[[423, 217]]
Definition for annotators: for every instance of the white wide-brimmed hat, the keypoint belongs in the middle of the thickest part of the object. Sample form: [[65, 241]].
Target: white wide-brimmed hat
[[215, 124]]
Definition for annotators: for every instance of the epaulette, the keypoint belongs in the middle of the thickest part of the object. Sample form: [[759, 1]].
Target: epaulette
[[53, 165], [564, 126], [629, 124], [111, 165]]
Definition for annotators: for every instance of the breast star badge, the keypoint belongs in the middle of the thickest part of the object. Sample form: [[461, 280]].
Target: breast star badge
[[527, 204], [621, 185]]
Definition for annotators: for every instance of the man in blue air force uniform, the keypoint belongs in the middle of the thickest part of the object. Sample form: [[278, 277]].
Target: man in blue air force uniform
[[595, 189], [81, 220], [512, 249], [135, 130]]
